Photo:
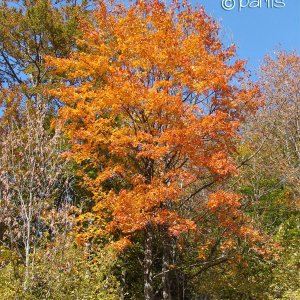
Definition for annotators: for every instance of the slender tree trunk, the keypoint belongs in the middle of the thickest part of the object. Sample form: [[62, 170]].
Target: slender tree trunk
[[148, 262], [27, 255], [165, 270], [123, 284], [28, 218]]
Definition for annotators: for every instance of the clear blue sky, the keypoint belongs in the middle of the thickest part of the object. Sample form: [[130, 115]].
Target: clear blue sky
[[257, 31]]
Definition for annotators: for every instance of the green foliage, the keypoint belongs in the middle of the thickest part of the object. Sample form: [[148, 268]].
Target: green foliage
[[287, 272], [63, 272], [31, 29]]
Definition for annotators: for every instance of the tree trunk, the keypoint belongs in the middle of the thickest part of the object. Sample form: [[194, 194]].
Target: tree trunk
[[148, 262], [123, 284], [27, 255], [165, 270]]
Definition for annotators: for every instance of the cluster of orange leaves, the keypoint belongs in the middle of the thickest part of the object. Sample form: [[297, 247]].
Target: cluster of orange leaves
[[227, 208], [149, 101]]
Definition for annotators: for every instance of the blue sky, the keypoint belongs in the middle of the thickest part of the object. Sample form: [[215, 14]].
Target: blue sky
[[257, 31]]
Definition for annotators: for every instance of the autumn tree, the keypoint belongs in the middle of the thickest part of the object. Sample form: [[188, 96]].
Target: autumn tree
[[270, 176], [30, 30], [269, 185], [152, 106], [32, 170]]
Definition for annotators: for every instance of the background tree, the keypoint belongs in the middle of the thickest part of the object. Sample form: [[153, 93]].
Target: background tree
[[271, 178], [269, 182], [34, 179], [31, 173]]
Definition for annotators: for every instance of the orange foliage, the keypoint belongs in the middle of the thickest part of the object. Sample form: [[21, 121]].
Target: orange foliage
[[150, 103], [227, 208]]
